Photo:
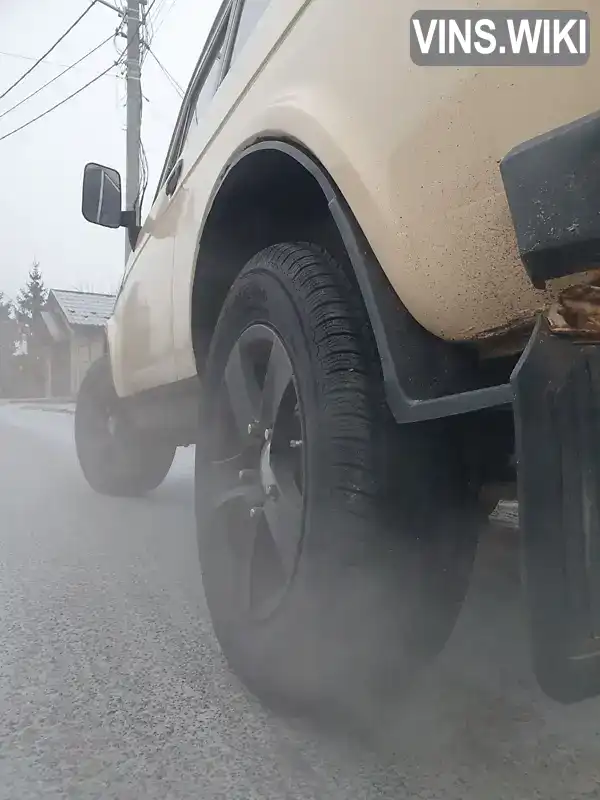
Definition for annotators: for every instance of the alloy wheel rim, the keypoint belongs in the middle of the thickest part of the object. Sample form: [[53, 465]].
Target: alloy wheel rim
[[257, 470]]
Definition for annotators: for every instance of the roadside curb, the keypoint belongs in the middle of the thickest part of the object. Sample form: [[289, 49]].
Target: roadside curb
[[55, 405], [46, 401], [54, 409]]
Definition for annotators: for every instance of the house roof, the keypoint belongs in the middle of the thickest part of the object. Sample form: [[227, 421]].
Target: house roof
[[84, 308]]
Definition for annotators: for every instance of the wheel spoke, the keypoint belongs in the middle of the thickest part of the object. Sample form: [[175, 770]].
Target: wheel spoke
[[226, 486], [249, 496], [243, 549], [243, 389], [258, 511], [283, 513], [277, 378]]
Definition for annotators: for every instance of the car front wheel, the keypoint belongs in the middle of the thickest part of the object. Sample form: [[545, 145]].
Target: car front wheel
[[335, 545]]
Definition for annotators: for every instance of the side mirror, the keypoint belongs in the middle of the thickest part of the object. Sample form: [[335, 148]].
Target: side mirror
[[101, 196]]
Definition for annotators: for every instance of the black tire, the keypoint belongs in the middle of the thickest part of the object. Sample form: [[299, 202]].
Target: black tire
[[388, 527], [115, 461]]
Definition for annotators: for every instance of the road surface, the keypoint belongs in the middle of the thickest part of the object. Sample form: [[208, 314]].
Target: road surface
[[112, 684]]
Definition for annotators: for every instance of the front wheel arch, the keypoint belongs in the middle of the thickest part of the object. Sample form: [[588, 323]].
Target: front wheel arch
[[274, 191]]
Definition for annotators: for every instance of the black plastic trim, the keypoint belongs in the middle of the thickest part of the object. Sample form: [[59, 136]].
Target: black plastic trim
[[553, 192], [425, 377], [556, 387]]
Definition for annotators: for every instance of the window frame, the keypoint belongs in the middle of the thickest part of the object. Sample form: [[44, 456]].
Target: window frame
[[225, 21], [236, 19]]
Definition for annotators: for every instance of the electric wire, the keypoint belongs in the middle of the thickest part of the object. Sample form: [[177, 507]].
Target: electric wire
[[47, 53], [59, 104], [56, 77], [166, 72]]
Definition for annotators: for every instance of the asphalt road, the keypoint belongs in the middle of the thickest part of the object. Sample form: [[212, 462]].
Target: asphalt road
[[112, 684]]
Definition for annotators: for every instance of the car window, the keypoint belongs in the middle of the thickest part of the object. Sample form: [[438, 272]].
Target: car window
[[252, 11], [209, 86], [202, 88]]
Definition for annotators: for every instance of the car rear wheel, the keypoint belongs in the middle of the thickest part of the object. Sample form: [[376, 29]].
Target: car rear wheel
[[115, 458], [336, 546]]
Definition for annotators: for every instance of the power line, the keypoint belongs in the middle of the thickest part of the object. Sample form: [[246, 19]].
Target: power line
[[31, 58], [47, 53], [159, 9], [56, 77], [44, 61], [145, 175], [168, 75], [149, 9], [116, 63], [164, 16], [61, 103], [148, 21]]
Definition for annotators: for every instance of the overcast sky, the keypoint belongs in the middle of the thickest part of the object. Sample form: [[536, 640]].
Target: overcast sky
[[41, 166]]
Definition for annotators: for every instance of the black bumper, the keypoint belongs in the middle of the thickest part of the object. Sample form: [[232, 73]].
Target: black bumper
[[553, 188], [556, 388]]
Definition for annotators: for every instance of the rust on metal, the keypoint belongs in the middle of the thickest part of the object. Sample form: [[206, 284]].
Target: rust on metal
[[577, 312]]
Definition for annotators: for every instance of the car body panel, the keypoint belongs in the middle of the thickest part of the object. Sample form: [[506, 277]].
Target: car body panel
[[140, 332], [414, 151]]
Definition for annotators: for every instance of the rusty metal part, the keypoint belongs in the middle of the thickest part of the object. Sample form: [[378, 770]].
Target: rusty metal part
[[506, 340], [577, 312]]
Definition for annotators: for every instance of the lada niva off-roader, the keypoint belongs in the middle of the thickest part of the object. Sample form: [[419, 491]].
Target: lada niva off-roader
[[365, 292]]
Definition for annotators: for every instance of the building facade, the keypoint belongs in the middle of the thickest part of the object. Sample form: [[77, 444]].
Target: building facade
[[74, 323]]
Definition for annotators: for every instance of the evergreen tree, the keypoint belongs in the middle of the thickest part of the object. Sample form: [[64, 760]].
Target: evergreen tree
[[31, 301]]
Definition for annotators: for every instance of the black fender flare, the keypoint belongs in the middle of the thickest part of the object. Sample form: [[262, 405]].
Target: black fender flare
[[425, 377]]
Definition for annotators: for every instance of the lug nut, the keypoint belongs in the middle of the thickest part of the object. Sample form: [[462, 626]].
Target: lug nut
[[247, 475], [272, 492]]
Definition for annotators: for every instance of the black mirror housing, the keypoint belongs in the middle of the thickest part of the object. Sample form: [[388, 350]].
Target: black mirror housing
[[101, 196]]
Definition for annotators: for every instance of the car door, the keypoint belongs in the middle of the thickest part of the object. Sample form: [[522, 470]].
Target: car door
[[199, 166], [145, 311], [143, 318]]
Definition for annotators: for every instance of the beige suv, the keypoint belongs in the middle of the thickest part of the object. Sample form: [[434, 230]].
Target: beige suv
[[365, 293]]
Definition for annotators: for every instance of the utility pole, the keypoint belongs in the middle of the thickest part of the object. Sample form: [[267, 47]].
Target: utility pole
[[134, 113], [134, 107]]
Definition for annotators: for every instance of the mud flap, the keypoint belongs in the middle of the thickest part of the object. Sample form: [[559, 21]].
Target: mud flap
[[557, 423]]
